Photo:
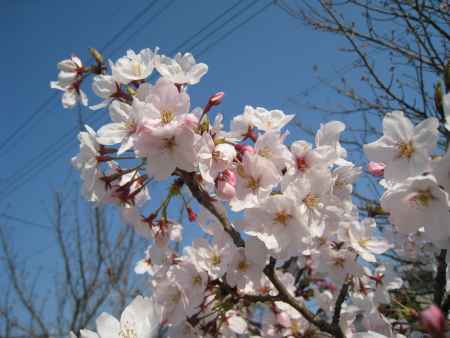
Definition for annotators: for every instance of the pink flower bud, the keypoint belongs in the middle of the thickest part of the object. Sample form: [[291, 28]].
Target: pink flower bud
[[192, 216], [225, 185], [243, 148], [229, 176], [216, 99], [433, 321], [376, 168]]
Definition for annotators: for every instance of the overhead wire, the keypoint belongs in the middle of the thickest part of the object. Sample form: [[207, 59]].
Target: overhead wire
[[47, 154], [69, 136], [231, 31], [25, 221], [13, 135]]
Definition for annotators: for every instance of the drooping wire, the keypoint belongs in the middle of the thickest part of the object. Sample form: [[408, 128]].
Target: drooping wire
[[45, 157]]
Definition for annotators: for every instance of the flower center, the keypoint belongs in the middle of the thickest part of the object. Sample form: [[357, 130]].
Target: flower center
[[302, 165], [253, 183], [170, 143], [215, 259], [339, 262], [137, 69], [166, 116], [311, 200], [282, 217], [196, 280], [363, 242], [406, 150], [243, 266], [422, 198], [265, 152], [127, 333]]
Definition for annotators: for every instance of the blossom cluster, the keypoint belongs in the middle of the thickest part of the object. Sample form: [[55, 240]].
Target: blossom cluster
[[295, 237]]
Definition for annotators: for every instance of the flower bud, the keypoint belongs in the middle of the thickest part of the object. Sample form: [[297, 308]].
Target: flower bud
[[96, 55], [225, 185], [192, 216], [243, 148], [214, 100], [433, 321], [376, 168]]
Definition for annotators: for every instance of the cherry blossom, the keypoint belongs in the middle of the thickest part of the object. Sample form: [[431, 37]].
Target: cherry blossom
[[133, 67], [182, 69], [140, 319], [418, 202], [285, 250], [405, 149]]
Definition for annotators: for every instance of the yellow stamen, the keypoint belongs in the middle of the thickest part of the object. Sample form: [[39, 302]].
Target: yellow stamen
[[127, 333], [215, 259], [243, 266], [137, 70], [166, 117], [406, 150], [423, 198], [196, 280], [311, 200], [282, 217], [253, 183], [265, 152]]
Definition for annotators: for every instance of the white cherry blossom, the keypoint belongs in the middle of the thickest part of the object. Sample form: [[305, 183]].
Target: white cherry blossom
[[256, 176], [133, 67], [405, 149], [418, 202], [167, 148], [140, 319], [182, 69]]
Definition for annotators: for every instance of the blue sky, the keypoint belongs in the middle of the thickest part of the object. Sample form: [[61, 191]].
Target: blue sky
[[262, 63]]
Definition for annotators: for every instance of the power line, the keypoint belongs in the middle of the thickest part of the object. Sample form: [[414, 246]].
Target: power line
[[51, 156], [134, 19], [47, 152], [140, 29], [231, 31], [206, 26], [41, 108], [25, 221]]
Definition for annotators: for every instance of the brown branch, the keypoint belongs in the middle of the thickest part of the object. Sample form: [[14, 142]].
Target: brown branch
[[441, 278], [339, 301], [204, 199]]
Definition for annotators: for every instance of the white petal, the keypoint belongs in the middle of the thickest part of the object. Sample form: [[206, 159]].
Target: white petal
[[108, 326], [112, 133]]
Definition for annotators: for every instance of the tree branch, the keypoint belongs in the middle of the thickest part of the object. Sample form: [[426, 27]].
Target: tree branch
[[441, 278], [284, 295], [339, 301]]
